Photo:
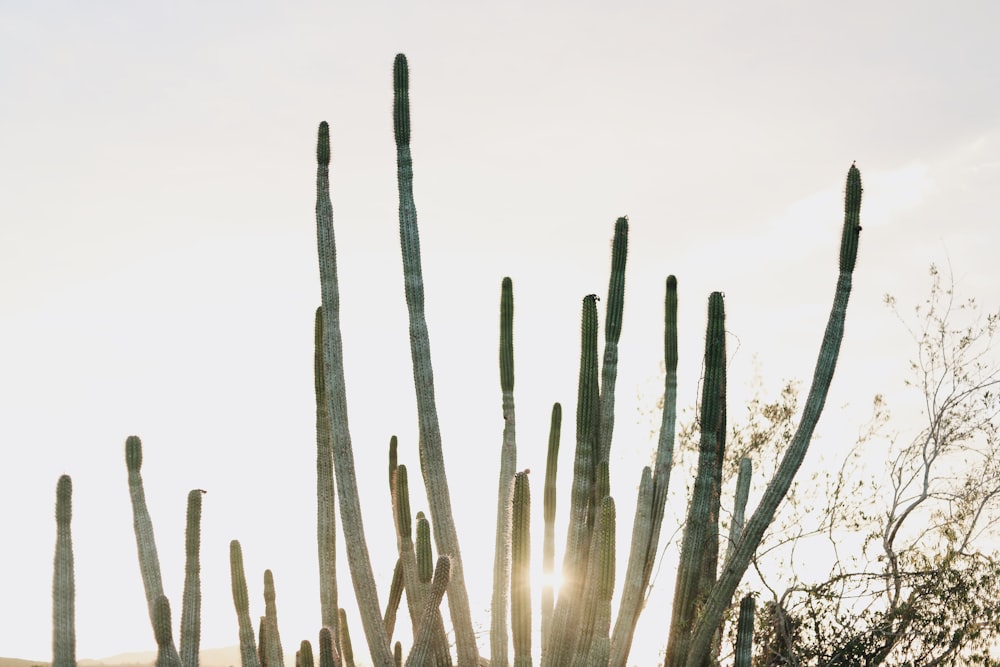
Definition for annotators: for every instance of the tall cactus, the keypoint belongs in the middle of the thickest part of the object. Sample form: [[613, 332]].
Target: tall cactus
[[722, 593], [358, 559], [520, 576], [431, 459], [149, 561], [549, 518], [744, 632], [241, 600], [508, 461], [326, 513], [63, 582], [191, 607], [612, 333]]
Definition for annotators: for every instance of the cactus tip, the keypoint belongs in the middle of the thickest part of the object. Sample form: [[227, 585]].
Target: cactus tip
[[323, 145], [133, 453]]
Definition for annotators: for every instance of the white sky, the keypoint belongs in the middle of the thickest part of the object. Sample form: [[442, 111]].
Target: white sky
[[158, 273]]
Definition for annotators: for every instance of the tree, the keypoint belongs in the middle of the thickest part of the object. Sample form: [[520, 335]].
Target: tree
[[922, 586]]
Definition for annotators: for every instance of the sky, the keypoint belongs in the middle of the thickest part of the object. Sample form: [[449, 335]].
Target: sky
[[158, 272]]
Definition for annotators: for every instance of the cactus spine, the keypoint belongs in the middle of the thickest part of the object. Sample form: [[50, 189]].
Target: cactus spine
[[508, 461], [431, 459], [191, 607], [63, 583], [358, 559]]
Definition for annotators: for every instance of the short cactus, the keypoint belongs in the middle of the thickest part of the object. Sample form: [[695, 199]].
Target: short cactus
[[63, 582]]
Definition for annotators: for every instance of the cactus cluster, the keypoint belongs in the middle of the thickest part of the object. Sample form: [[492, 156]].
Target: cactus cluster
[[576, 621]]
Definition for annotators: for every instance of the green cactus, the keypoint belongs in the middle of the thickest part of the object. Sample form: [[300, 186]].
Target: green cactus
[[721, 594], [63, 583], [248, 645], [423, 650], [699, 537], [600, 647], [328, 654], [508, 461], [277, 658], [404, 541], [612, 332], [304, 657], [549, 518], [395, 597], [166, 652], [565, 617], [326, 513], [149, 562], [520, 574], [744, 632], [431, 457], [358, 559], [739, 504], [191, 607], [346, 648]]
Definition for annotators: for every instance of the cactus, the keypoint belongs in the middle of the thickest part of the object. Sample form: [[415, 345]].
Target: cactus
[[248, 646], [166, 652], [600, 647], [346, 648], [395, 597], [277, 658], [520, 574], [423, 644], [699, 548], [358, 559], [508, 461], [63, 583], [612, 332], [304, 657], [549, 517], [191, 607], [328, 654], [431, 457], [744, 632], [149, 561], [326, 514]]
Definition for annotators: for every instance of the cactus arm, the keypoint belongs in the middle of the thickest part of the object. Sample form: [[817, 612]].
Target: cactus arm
[[589, 601], [395, 597], [565, 617], [520, 574], [358, 559], [404, 542], [736, 565], [634, 586], [346, 648], [63, 581], [191, 607], [304, 656], [326, 512], [696, 547], [601, 644], [328, 654], [149, 562], [508, 461], [549, 518], [740, 504], [248, 648], [612, 332], [423, 643], [271, 613], [166, 653], [744, 632], [431, 459]]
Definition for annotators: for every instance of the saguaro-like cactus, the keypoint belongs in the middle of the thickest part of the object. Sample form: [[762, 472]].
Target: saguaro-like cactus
[[549, 518], [63, 584], [248, 644], [520, 576], [149, 561], [326, 513]]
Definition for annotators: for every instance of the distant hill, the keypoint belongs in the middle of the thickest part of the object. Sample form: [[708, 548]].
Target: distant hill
[[213, 657]]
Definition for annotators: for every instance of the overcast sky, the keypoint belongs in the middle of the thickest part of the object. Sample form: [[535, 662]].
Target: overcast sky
[[158, 273]]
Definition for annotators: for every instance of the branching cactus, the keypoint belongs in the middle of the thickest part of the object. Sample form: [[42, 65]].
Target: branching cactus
[[63, 584], [431, 456], [508, 461], [191, 607]]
